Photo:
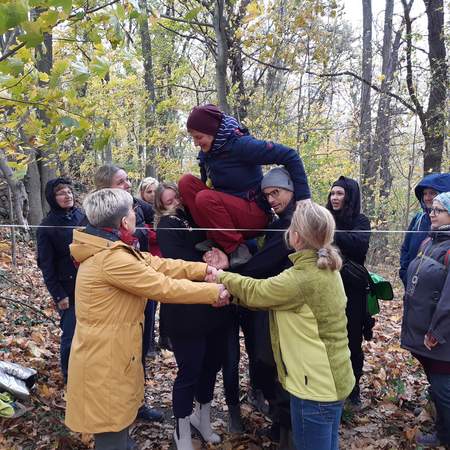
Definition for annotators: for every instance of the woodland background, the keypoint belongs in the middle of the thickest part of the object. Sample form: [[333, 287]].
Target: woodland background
[[86, 82]]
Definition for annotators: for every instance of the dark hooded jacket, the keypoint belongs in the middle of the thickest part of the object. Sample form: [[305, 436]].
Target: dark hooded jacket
[[234, 163], [427, 298], [179, 243], [53, 255], [353, 246], [440, 182]]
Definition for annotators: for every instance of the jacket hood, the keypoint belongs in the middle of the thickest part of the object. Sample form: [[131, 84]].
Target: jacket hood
[[440, 182], [50, 195], [85, 245], [352, 202]]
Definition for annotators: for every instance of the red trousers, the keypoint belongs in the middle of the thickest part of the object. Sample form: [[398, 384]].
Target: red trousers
[[214, 209]]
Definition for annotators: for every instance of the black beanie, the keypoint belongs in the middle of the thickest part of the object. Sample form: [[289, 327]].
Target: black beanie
[[205, 118]]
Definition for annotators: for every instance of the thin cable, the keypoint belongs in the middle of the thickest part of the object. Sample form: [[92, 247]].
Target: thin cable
[[259, 230]]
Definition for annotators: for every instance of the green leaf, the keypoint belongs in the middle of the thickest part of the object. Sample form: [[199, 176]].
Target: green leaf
[[12, 66], [59, 67], [68, 122], [120, 11], [99, 66], [193, 13], [80, 72], [65, 4], [34, 34], [12, 14], [49, 18]]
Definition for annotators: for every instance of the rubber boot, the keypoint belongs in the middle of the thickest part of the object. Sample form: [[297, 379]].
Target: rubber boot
[[201, 421], [182, 434]]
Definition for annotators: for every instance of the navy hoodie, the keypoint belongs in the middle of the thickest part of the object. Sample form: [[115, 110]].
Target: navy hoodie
[[440, 182], [53, 254], [234, 163]]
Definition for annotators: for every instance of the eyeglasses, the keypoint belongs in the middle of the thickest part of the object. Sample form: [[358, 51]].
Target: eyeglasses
[[437, 211], [274, 194]]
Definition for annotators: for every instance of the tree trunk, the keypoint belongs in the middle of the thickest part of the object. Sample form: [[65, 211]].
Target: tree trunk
[[367, 160], [149, 81], [40, 169], [436, 111], [221, 56], [18, 192], [237, 73], [382, 138]]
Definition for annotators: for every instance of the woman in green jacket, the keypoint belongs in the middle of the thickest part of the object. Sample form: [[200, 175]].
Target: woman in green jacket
[[307, 326]]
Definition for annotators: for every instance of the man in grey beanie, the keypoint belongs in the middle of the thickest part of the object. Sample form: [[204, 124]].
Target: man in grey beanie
[[269, 261]]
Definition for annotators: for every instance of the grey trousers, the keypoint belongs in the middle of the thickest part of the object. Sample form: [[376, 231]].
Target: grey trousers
[[119, 440]]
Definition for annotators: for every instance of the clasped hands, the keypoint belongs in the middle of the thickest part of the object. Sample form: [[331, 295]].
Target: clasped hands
[[223, 298]]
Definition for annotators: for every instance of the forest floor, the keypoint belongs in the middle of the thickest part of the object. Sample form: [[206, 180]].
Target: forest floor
[[393, 385]]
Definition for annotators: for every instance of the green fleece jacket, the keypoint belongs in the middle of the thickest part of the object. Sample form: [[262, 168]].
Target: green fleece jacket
[[308, 326]]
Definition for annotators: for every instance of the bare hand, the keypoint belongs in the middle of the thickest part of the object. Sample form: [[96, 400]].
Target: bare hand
[[216, 258], [211, 274], [223, 298], [63, 304], [430, 341]]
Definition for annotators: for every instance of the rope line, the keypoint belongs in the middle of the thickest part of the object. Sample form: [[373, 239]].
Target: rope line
[[261, 230]]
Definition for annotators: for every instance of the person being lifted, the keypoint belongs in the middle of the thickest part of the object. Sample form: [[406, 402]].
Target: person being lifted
[[228, 195]]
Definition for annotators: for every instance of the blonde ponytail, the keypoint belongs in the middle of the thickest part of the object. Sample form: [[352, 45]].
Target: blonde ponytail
[[316, 226]]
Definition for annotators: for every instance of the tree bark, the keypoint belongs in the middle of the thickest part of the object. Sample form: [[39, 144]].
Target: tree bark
[[222, 55], [432, 121], [40, 170], [382, 138], [367, 160], [149, 152], [436, 110], [18, 192]]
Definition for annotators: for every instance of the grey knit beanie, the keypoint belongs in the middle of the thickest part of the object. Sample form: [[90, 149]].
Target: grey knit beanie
[[278, 177]]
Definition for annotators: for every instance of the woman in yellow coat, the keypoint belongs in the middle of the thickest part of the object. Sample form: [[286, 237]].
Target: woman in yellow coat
[[105, 389]]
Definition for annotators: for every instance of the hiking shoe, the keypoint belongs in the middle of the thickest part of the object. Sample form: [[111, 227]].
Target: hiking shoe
[[427, 440], [240, 256], [205, 246], [257, 400], [150, 414]]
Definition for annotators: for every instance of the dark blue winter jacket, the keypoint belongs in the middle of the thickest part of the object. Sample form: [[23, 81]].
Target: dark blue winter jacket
[[53, 254], [235, 166], [440, 182]]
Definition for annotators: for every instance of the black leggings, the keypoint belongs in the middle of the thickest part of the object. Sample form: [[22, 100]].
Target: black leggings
[[199, 359]]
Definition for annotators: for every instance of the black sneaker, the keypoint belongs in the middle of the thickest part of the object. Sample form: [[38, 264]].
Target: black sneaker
[[150, 414], [427, 440]]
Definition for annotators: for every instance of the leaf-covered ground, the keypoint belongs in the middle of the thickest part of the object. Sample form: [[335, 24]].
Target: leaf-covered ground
[[393, 387]]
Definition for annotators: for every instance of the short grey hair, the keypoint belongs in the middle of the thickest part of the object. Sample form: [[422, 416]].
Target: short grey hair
[[107, 207]]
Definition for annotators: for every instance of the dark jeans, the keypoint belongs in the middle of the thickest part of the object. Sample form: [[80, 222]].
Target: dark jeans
[[315, 424], [149, 328], [241, 317], [198, 359], [440, 394], [113, 440], [67, 324]]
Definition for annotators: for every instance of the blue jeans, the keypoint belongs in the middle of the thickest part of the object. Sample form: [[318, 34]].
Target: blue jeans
[[440, 394], [315, 425], [67, 324]]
